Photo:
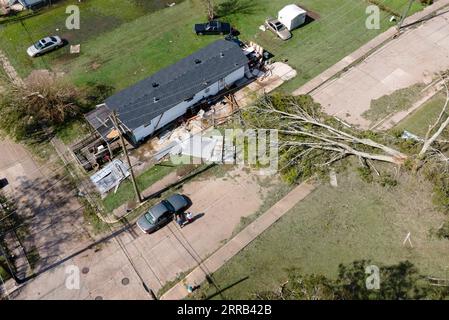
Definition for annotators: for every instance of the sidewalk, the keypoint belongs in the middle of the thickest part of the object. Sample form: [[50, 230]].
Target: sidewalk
[[364, 51], [239, 242]]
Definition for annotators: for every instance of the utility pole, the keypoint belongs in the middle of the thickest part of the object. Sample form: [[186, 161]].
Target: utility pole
[[131, 170], [405, 14]]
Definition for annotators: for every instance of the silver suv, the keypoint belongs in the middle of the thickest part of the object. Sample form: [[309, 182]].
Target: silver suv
[[278, 28]]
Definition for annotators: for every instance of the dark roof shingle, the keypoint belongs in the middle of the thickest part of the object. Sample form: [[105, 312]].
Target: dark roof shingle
[[149, 98]]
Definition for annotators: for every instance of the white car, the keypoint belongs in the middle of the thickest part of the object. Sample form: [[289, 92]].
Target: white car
[[45, 45], [278, 28]]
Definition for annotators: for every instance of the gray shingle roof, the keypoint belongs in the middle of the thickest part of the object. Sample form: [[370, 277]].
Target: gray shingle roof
[[137, 105]]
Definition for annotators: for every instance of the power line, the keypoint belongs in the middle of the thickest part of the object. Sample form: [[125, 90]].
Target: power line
[[197, 259]]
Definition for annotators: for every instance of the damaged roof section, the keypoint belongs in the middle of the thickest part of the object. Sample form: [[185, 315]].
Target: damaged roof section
[[101, 122], [151, 97]]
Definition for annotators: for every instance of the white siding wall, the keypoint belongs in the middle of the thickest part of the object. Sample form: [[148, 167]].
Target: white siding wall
[[180, 109]]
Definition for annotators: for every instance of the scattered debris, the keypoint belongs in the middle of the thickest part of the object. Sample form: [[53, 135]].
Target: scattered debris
[[407, 239], [410, 136], [333, 179], [75, 48], [110, 176]]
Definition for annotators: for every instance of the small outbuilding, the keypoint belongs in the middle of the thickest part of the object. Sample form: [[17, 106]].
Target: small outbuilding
[[292, 16]]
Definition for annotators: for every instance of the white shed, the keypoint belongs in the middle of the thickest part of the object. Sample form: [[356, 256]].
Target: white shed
[[292, 16]]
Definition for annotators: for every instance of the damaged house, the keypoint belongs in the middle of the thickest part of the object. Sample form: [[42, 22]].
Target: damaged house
[[157, 101]]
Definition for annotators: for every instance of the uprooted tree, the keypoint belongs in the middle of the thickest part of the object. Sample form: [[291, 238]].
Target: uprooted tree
[[42, 102], [33, 110], [310, 140]]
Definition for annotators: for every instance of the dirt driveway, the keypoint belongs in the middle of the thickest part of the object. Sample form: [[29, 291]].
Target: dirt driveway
[[117, 266], [412, 58]]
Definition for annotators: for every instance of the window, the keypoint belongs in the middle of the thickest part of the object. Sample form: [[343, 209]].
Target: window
[[39, 45], [149, 217]]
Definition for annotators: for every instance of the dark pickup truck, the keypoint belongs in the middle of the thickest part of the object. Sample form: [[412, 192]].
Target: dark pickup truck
[[213, 27]]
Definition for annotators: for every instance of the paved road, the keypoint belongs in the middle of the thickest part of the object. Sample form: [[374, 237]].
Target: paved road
[[412, 58], [45, 202], [157, 258], [240, 241]]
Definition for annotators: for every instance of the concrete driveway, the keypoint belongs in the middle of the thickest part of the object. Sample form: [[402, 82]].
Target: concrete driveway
[[117, 266], [414, 57]]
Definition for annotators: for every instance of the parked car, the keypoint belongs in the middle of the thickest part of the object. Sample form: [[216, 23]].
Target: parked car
[[213, 27], [45, 45], [162, 213], [278, 28]]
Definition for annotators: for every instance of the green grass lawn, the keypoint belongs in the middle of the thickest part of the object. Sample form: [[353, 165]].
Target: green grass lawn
[[3, 274], [400, 5], [98, 17], [355, 221], [126, 191], [72, 131], [388, 105], [126, 42], [419, 122]]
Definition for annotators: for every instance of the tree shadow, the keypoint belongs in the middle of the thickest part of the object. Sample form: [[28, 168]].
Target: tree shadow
[[179, 184], [230, 7], [309, 19]]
